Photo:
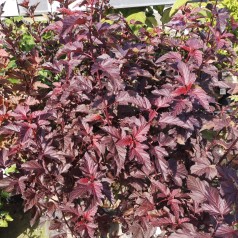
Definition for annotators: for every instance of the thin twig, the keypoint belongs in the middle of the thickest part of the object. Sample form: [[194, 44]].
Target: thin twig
[[228, 150]]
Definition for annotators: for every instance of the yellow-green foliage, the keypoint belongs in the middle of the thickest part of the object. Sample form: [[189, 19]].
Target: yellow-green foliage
[[234, 98], [232, 6]]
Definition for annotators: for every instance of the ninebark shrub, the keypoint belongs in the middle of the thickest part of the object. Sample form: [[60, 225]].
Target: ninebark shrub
[[121, 128]]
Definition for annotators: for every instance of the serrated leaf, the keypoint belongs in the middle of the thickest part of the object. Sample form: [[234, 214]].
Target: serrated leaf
[[216, 205], [176, 6], [226, 231], [69, 22], [89, 167], [173, 120], [32, 165], [87, 187], [203, 166], [139, 133], [202, 97], [109, 68], [187, 78], [198, 189], [170, 56], [161, 164]]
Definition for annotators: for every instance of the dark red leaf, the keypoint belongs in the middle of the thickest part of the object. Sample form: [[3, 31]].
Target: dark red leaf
[[175, 56], [161, 163], [89, 167], [140, 132], [87, 187], [189, 231], [226, 231], [216, 205], [198, 189], [109, 68], [32, 165], [203, 166], [172, 120], [70, 21], [200, 95], [187, 78]]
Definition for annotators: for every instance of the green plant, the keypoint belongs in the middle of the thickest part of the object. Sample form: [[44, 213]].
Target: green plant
[[5, 218], [232, 6], [177, 4], [142, 16]]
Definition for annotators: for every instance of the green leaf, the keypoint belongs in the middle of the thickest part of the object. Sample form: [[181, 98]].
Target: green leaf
[[8, 217], [176, 6], [27, 42], [159, 9], [206, 13], [165, 16], [3, 223], [14, 81], [138, 16], [12, 64], [48, 35], [44, 73], [18, 18], [208, 134], [11, 169], [107, 21], [8, 21], [4, 194], [234, 98], [151, 21]]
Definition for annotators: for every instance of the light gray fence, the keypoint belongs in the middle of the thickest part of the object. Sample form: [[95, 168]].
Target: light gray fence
[[11, 8]]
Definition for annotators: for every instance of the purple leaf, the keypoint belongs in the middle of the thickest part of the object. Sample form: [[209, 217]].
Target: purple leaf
[[56, 27], [172, 120], [141, 102], [198, 189], [161, 163], [32, 165], [139, 133], [89, 167], [203, 166], [181, 106], [175, 56], [187, 78], [200, 95], [70, 21], [188, 231], [216, 205], [226, 231], [75, 47], [178, 170], [114, 132], [162, 102], [87, 187], [109, 68], [141, 156]]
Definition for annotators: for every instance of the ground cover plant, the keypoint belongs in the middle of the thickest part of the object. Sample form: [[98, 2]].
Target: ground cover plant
[[118, 131]]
